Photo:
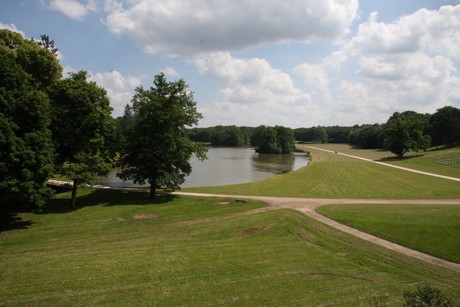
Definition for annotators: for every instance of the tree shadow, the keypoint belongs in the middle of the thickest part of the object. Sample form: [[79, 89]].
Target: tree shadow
[[395, 158], [106, 197], [10, 221]]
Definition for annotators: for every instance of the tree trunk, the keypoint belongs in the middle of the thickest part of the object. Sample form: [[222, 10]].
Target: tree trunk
[[152, 191], [73, 199]]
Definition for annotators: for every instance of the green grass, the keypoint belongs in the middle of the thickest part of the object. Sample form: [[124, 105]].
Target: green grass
[[434, 230], [197, 253], [438, 161], [336, 176]]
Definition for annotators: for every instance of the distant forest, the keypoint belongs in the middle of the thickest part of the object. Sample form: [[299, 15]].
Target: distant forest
[[402, 132]]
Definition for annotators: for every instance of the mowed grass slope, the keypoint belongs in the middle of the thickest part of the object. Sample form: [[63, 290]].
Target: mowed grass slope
[[335, 176], [434, 230], [191, 251], [443, 161]]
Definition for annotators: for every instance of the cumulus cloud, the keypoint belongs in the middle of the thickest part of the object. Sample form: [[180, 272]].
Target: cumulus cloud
[[408, 64], [189, 27], [120, 89], [73, 8], [255, 93]]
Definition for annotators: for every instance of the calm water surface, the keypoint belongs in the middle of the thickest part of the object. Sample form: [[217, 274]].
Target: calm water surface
[[228, 166]]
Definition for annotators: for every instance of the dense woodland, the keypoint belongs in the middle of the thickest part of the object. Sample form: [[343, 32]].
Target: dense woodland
[[50, 124]]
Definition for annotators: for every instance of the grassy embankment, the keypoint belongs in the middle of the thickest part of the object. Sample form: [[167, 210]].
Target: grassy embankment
[[434, 230], [191, 251], [336, 176]]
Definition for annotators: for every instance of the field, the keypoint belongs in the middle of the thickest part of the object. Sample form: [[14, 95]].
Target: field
[[336, 176], [418, 227], [120, 249]]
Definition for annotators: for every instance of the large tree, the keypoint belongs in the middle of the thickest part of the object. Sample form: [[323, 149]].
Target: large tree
[[26, 150], [158, 149], [445, 126], [80, 123], [406, 132]]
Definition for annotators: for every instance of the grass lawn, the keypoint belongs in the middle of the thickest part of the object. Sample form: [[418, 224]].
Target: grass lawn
[[120, 249], [434, 230], [335, 176], [432, 161]]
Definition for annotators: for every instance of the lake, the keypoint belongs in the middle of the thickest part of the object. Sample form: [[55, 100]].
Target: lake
[[227, 166]]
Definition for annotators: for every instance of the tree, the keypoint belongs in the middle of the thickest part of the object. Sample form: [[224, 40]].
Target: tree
[[405, 132], [273, 140], [80, 121], [158, 149], [285, 139], [26, 150], [445, 126]]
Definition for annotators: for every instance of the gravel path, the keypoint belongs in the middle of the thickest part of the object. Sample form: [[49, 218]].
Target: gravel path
[[308, 205]]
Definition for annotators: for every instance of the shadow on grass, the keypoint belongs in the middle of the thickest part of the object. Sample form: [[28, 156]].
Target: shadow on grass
[[88, 197], [395, 158], [10, 221]]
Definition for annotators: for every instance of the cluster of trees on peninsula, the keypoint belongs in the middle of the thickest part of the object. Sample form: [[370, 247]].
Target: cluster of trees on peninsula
[[64, 125]]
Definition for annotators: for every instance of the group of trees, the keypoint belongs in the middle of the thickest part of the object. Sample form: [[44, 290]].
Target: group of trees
[[265, 139], [49, 124], [410, 131]]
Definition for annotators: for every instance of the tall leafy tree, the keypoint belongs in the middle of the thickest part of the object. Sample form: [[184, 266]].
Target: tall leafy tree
[[286, 139], [158, 149], [404, 132], [80, 123], [445, 126], [26, 150]]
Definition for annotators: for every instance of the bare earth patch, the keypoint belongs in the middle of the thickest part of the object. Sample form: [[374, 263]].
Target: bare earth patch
[[145, 216], [224, 203]]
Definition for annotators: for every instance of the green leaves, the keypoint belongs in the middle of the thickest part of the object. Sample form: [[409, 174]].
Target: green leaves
[[157, 147]]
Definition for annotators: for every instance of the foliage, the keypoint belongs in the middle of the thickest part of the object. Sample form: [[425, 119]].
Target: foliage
[[272, 140], [367, 136], [158, 149], [445, 126], [337, 134], [315, 135], [426, 296], [405, 132], [80, 122], [26, 151], [229, 136]]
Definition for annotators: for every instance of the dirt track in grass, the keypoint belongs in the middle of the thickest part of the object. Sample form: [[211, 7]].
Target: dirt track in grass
[[308, 205]]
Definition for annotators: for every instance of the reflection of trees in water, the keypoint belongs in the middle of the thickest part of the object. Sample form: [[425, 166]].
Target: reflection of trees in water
[[273, 162]]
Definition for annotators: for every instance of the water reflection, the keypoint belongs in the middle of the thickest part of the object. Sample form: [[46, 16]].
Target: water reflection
[[228, 166]]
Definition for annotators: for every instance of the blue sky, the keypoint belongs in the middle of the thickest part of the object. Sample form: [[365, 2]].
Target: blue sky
[[253, 62]]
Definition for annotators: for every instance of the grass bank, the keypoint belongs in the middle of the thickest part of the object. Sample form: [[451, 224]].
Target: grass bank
[[336, 176], [121, 249], [434, 230]]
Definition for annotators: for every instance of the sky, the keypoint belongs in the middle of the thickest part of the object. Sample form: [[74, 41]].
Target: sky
[[296, 63]]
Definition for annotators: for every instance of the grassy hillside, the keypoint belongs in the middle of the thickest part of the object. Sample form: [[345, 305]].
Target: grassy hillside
[[120, 249], [431, 229], [335, 176]]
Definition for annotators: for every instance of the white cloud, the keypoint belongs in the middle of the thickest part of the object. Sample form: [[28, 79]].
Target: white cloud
[[408, 64], [73, 8], [170, 72], [11, 27], [120, 89], [255, 93], [187, 27]]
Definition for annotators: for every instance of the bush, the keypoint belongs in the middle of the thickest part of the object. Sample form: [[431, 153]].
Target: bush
[[426, 296]]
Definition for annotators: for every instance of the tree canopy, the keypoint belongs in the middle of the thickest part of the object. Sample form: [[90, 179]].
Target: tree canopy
[[272, 140], [80, 120], [405, 132], [158, 149], [26, 150]]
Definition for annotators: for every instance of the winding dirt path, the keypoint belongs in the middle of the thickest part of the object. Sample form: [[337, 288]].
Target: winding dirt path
[[308, 205]]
